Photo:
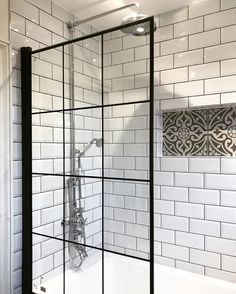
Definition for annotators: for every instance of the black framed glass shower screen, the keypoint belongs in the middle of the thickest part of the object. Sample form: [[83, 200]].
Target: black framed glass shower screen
[[87, 129]]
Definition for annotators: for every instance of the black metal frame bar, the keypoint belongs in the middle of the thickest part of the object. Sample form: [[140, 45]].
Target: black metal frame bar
[[91, 107], [151, 156], [27, 114], [91, 247], [103, 188], [64, 170], [26, 85], [92, 177]]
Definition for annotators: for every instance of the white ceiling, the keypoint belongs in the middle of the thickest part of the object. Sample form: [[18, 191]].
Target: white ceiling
[[87, 8]]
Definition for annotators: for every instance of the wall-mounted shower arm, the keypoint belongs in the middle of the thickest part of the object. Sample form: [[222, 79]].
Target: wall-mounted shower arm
[[72, 25]]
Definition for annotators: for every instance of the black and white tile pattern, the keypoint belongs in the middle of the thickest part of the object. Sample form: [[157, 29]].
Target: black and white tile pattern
[[222, 132], [205, 132]]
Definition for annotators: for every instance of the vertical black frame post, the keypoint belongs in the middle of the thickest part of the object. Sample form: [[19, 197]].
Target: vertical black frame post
[[151, 155], [64, 169], [26, 88], [102, 202]]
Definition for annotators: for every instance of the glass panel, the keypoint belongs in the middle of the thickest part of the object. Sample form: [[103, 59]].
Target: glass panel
[[126, 223], [75, 215], [84, 81], [126, 141], [48, 273], [47, 69], [86, 277], [83, 210], [126, 66], [126, 275], [47, 203], [83, 139], [47, 143], [83, 213], [48, 267]]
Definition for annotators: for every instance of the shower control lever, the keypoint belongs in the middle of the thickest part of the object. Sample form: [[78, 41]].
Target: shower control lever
[[83, 222], [79, 210], [65, 222], [75, 221]]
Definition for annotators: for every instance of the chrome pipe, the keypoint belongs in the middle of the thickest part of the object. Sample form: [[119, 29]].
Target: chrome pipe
[[72, 25], [76, 220], [72, 103]]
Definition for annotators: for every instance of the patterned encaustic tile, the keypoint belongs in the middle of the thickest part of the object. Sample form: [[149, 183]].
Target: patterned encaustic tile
[[222, 132], [205, 132]]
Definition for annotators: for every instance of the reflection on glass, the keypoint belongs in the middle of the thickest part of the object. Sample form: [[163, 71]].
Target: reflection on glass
[[48, 266], [126, 275], [86, 279], [126, 223]]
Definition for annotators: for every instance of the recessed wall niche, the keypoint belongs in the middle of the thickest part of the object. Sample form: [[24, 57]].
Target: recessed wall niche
[[204, 132]]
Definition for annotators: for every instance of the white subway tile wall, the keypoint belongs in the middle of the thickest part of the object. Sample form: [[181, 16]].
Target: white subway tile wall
[[195, 199], [197, 234]]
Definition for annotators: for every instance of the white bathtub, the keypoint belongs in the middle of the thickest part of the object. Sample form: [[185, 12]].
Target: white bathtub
[[125, 275]]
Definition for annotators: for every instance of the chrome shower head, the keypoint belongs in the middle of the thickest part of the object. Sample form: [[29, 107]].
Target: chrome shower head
[[99, 142], [141, 29]]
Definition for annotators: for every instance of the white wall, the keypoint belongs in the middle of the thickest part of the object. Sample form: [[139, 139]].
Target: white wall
[[4, 17], [195, 205], [5, 147]]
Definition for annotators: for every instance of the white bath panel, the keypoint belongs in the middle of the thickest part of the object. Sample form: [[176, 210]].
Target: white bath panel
[[129, 276]]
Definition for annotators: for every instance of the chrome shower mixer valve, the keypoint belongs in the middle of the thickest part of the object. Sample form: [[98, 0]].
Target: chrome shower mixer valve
[[76, 220]]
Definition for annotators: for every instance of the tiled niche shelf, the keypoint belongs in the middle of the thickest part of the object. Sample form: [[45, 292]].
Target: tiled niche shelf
[[204, 132]]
